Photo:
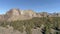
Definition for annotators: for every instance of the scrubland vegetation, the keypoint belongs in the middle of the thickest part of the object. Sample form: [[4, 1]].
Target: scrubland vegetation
[[48, 22]]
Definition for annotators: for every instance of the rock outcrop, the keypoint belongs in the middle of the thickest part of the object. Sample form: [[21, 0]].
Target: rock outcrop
[[17, 14]]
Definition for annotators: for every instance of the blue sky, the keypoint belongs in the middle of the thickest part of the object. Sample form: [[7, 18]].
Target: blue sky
[[36, 5]]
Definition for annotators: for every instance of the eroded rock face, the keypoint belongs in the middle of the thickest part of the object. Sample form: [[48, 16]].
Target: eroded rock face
[[17, 14], [29, 13], [13, 12]]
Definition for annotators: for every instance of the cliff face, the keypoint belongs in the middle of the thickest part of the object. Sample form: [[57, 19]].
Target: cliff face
[[17, 14], [13, 14]]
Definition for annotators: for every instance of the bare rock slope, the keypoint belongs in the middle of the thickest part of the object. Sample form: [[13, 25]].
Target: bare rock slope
[[16, 14]]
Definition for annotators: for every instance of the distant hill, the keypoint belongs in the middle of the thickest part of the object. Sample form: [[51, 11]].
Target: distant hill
[[17, 14]]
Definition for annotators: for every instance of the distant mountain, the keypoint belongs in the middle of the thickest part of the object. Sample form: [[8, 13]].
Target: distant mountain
[[17, 14]]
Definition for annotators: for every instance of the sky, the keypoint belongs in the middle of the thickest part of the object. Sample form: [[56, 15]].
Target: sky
[[35, 5]]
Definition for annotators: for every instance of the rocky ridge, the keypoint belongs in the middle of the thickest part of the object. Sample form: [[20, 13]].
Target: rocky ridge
[[17, 14]]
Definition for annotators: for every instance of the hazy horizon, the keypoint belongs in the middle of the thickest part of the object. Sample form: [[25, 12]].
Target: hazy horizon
[[35, 5]]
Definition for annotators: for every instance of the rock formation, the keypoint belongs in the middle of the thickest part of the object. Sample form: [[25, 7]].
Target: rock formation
[[17, 14]]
